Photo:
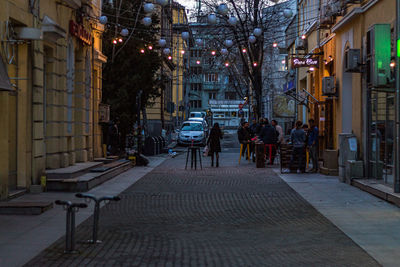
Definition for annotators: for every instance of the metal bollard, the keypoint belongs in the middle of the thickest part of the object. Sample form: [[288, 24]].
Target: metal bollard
[[96, 214], [71, 208]]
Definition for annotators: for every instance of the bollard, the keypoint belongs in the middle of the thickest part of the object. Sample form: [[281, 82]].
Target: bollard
[[71, 208], [96, 213]]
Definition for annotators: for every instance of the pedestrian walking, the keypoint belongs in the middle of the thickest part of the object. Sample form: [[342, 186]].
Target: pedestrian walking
[[214, 143], [313, 144], [269, 136], [298, 139]]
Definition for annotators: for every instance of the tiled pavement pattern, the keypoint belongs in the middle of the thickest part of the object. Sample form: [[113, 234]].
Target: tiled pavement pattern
[[230, 216]]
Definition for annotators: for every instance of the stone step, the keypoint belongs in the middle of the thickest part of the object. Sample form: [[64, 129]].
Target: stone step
[[109, 166], [107, 159], [72, 171], [86, 181], [24, 208]]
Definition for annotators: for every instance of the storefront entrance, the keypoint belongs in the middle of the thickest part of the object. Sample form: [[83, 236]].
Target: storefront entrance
[[381, 135]]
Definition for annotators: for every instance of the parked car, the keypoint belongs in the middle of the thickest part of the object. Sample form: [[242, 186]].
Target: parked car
[[192, 132], [205, 123]]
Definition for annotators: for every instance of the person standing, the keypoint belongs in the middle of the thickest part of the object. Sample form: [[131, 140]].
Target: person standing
[[269, 136], [244, 136], [298, 139], [214, 143], [254, 128], [278, 128], [313, 144]]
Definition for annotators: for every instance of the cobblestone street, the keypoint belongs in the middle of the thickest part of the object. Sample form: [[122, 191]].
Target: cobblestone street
[[234, 215]]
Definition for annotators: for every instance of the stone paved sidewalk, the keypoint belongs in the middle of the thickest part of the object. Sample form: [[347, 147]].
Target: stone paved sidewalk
[[228, 216]]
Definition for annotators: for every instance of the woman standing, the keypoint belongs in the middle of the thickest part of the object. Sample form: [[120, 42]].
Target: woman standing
[[214, 144]]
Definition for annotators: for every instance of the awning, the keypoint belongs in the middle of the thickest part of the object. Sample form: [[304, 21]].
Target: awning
[[5, 84]]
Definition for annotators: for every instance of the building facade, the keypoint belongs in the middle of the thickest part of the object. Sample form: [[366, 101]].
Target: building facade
[[51, 54]]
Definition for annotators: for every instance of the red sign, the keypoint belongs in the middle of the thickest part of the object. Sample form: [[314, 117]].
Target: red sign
[[79, 31], [305, 62]]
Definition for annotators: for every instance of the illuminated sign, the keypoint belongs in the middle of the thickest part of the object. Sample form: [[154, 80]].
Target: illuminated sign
[[305, 62], [80, 32]]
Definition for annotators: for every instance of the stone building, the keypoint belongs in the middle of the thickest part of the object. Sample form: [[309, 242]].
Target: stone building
[[51, 55]]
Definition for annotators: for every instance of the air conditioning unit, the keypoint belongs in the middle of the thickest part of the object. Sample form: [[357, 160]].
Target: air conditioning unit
[[378, 55], [301, 44], [325, 17], [352, 60], [328, 86]]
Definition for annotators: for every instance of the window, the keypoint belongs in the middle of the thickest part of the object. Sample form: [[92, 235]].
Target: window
[[230, 95], [195, 53], [195, 103], [196, 70], [195, 86], [212, 95], [211, 77]]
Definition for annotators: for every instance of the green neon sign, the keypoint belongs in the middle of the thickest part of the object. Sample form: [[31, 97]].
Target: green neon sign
[[398, 48]]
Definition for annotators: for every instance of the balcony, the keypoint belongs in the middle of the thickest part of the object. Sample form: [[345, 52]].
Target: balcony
[[211, 86]]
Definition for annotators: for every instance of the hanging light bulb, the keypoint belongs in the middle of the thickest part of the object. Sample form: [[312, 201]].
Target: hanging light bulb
[[199, 42], [146, 21], [198, 62], [255, 64], [185, 35], [148, 8], [162, 2], [124, 32], [252, 39], [169, 57], [213, 53], [223, 9], [283, 61], [228, 43], [142, 51], [166, 51], [244, 50], [287, 13], [103, 20], [115, 41], [120, 40], [226, 64], [150, 47], [257, 32], [162, 42], [183, 52], [212, 19], [303, 36], [224, 51], [275, 44], [232, 21]]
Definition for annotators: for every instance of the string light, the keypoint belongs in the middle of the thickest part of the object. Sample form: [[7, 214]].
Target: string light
[[283, 61], [392, 64], [183, 52], [255, 64], [169, 57], [142, 51], [213, 53], [198, 62], [115, 41], [275, 44], [150, 47], [244, 50], [226, 64], [120, 40], [303, 36]]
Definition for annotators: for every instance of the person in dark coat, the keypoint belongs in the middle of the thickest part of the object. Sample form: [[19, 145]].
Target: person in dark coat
[[244, 137], [214, 143], [269, 136]]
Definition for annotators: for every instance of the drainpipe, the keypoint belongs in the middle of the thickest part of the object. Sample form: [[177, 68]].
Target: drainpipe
[[397, 108]]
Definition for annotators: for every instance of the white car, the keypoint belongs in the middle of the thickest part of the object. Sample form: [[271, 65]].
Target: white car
[[192, 132], [198, 114]]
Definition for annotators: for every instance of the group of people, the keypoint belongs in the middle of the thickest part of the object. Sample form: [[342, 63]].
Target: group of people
[[304, 137], [269, 133]]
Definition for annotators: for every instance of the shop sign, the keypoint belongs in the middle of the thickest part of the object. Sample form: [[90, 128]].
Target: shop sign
[[80, 32], [305, 62]]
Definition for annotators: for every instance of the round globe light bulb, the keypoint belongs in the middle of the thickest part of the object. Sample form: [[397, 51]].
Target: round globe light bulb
[[252, 39], [232, 21], [167, 51], [162, 42], [148, 8], [257, 32], [103, 20], [212, 19], [224, 51], [199, 42], [228, 43], [185, 35], [223, 9], [146, 21], [287, 13], [124, 32]]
